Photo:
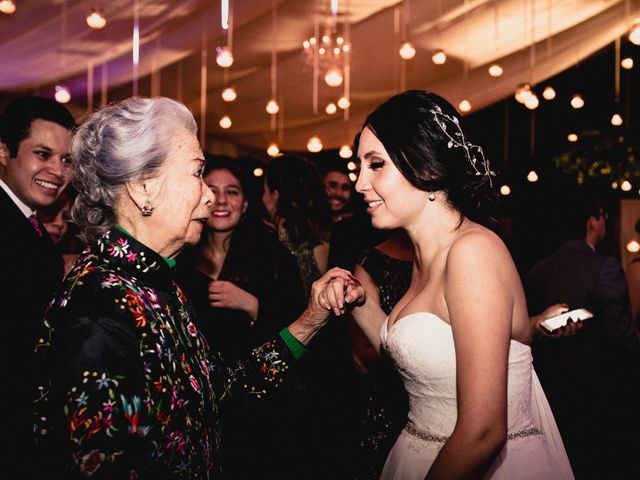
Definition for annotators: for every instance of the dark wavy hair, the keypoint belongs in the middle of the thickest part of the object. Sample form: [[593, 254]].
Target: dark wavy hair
[[301, 198], [423, 152]]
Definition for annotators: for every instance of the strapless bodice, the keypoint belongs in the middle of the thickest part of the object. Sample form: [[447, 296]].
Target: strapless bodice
[[421, 346]]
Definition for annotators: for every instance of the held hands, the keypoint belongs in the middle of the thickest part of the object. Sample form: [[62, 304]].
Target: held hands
[[343, 291], [570, 329], [224, 294]]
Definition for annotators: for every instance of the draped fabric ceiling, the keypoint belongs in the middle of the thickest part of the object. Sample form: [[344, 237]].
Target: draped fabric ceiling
[[48, 41]]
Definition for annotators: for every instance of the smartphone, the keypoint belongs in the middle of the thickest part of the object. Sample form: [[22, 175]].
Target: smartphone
[[554, 323]]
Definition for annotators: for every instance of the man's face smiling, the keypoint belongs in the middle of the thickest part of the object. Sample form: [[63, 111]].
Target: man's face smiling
[[42, 168], [337, 187]]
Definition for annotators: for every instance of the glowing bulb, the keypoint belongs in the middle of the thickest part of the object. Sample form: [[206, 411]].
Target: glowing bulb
[[626, 186], [322, 50], [346, 47], [96, 19], [633, 246], [523, 92], [531, 101], [577, 101], [333, 77], [439, 57], [572, 137], [258, 172], [272, 107], [505, 190], [336, 50], [614, 185], [345, 151], [7, 7], [627, 63], [331, 108], [314, 144], [616, 120], [344, 103], [306, 44], [407, 51], [549, 93], [495, 70], [229, 94], [312, 40], [532, 176], [464, 105], [224, 57], [351, 166], [634, 35], [62, 95], [353, 177], [325, 39], [273, 150], [339, 40], [225, 122]]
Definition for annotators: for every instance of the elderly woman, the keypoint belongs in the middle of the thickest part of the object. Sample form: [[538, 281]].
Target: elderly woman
[[128, 385]]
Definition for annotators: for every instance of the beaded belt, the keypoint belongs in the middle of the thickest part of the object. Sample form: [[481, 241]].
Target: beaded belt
[[411, 429]]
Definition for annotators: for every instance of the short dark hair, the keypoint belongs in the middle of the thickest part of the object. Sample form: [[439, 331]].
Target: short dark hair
[[422, 150], [15, 123], [583, 205]]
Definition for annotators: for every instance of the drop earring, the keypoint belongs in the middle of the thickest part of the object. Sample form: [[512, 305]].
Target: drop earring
[[146, 209], [432, 196]]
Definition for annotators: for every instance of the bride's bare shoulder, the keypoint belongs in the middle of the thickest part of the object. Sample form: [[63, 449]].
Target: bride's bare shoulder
[[477, 245]]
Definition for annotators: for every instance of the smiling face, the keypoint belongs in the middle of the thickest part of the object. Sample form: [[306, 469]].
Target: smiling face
[[337, 189], [42, 168], [181, 203], [230, 201], [391, 200]]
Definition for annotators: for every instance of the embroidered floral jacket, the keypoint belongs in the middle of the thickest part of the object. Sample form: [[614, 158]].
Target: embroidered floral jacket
[[128, 387]]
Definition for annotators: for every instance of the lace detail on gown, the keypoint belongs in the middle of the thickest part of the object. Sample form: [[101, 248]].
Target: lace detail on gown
[[422, 349]]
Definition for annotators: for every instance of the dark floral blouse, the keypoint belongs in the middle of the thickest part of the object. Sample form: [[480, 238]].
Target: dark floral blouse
[[127, 386]]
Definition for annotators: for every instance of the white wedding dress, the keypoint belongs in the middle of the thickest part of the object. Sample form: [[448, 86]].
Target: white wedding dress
[[422, 349]]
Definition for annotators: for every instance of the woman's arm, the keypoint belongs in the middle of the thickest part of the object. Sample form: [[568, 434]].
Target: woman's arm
[[225, 294], [479, 297], [321, 254], [362, 350]]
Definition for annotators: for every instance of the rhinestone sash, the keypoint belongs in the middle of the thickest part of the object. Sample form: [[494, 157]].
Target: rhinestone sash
[[414, 431]]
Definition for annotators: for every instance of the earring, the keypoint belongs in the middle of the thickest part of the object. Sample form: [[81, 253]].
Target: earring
[[432, 196], [146, 209]]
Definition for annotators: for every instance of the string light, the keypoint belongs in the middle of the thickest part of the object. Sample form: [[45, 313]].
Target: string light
[[633, 246], [549, 93], [344, 103], [62, 95], [464, 105], [634, 35], [495, 70], [314, 145], [407, 51], [345, 151], [225, 122], [224, 57], [351, 166], [627, 63], [7, 7], [577, 101], [273, 150], [272, 107], [505, 190], [334, 77], [229, 94], [572, 137], [626, 186], [331, 108], [532, 176], [439, 57], [96, 19], [616, 120], [258, 172]]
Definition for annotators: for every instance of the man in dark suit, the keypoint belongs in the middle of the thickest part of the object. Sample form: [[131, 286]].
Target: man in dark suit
[[35, 167], [587, 376]]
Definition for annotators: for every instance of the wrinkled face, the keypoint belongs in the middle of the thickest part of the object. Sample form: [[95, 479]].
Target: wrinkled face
[[391, 200], [182, 205], [230, 202], [270, 200], [54, 218], [337, 189], [42, 168]]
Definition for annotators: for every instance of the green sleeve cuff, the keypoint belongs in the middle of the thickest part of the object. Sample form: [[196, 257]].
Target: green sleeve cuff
[[297, 349]]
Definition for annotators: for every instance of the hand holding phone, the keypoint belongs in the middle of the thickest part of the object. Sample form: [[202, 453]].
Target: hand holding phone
[[556, 322]]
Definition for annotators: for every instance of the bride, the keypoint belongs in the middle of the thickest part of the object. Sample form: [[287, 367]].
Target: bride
[[460, 336]]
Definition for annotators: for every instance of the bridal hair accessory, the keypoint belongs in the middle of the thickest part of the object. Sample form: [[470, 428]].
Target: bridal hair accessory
[[432, 197], [146, 209], [474, 153]]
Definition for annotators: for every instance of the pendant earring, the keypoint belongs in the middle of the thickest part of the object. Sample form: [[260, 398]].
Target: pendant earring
[[146, 209], [432, 196]]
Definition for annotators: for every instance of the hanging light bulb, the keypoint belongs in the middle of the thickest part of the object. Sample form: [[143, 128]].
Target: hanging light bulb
[[331, 108], [314, 144], [407, 50], [7, 7], [464, 105], [495, 70], [627, 63], [572, 137], [626, 186], [344, 103], [333, 77], [523, 92], [229, 94], [351, 166], [577, 101], [634, 35], [273, 150], [225, 122], [345, 151], [272, 107], [633, 246], [224, 57], [505, 190], [532, 176], [353, 177], [258, 172], [549, 93], [439, 57], [614, 185], [62, 95], [96, 18], [531, 101], [616, 120]]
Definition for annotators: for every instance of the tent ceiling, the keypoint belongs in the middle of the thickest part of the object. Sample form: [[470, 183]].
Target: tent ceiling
[[41, 46]]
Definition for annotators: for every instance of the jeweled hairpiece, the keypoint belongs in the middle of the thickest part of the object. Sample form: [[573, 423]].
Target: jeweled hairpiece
[[474, 153]]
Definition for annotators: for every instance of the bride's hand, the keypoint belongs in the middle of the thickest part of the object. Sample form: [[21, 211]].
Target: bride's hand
[[342, 292]]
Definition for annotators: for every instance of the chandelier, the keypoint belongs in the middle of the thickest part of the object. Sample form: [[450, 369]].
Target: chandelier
[[330, 50]]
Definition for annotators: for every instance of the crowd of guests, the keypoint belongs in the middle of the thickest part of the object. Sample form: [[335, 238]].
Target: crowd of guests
[[173, 321]]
